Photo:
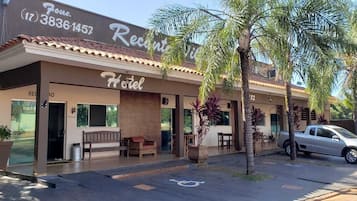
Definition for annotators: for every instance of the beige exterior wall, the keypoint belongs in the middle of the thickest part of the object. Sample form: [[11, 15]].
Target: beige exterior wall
[[133, 107], [267, 110], [212, 139], [71, 96]]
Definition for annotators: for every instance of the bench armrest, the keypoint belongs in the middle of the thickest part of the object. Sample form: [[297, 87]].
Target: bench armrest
[[150, 142]]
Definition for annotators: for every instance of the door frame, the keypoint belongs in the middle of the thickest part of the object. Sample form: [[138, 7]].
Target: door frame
[[64, 126]]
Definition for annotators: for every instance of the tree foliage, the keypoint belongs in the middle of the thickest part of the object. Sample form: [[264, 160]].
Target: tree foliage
[[340, 111], [290, 33]]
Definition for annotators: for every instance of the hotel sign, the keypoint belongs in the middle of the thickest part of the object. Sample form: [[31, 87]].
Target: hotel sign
[[49, 18], [119, 81]]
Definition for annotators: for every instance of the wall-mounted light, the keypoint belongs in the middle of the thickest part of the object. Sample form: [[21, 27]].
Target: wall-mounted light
[[73, 110], [5, 2], [270, 99], [165, 101], [228, 105], [44, 104]]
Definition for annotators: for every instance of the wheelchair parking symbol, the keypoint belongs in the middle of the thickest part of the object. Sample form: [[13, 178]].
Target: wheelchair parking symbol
[[187, 183]]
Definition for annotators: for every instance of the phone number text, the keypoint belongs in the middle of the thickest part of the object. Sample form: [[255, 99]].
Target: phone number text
[[57, 22]]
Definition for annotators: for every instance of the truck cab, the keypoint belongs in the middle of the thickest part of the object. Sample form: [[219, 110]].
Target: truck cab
[[323, 139]]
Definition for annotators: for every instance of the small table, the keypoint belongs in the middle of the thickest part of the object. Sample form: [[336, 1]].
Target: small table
[[224, 140]]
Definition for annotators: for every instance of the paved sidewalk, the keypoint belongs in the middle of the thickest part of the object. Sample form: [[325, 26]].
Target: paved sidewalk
[[222, 179], [16, 189]]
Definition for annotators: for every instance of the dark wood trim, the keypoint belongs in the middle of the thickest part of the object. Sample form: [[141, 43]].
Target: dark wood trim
[[179, 129], [41, 133], [20, 77], [235, 124]]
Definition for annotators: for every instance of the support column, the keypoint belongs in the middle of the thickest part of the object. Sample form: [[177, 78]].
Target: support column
[[235, 124], [285, 118], [41, 133], [179, 129]]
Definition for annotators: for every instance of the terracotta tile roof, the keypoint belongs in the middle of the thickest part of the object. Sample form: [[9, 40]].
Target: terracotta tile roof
[[120, 53], [95, 48]]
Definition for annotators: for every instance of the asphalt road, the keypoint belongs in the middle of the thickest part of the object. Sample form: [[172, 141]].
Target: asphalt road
[[222, 179]]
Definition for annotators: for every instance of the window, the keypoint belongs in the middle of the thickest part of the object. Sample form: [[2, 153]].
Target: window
[[23, 122], [324, 133], [224, 119], [187, 121], [312, 131], [345, 133], [112, 116], [82, 115], [261, 121], [305, 114], [97, 115], [313, 115]]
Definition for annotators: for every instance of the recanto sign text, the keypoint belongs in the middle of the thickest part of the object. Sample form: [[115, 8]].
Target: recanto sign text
[[122, 34]]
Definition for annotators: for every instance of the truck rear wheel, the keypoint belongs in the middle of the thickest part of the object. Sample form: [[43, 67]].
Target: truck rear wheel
[[351, 156], [287, 148]]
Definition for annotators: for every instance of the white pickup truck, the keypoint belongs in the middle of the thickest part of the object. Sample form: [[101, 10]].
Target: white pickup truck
[[323, 139]]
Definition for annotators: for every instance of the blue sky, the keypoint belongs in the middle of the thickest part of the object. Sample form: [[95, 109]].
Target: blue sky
[[136, 12]]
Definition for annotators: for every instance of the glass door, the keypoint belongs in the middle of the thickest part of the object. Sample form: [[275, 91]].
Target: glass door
[[275, 124], [55, 131], [23, 121], [166, 129]]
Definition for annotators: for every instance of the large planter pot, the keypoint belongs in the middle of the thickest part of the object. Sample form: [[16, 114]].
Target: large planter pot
[[5, 148], [197, 154]]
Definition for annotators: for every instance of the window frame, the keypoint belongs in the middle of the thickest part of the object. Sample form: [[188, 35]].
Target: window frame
[[323, 135], [191, 114], [221, 121], [88, 125]]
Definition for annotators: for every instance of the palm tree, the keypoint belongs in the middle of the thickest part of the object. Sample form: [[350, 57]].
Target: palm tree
[[350, 60], [299, 38], [347, 49], [225, 37]]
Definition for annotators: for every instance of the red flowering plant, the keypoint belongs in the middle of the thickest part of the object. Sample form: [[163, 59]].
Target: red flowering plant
[[208, 113], [257, 116]]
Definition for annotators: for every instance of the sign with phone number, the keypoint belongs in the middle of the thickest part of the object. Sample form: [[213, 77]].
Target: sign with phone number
[[56, 22]]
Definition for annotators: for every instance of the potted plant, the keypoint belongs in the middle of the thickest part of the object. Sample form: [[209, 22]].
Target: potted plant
[[5, 146], [208, 113]]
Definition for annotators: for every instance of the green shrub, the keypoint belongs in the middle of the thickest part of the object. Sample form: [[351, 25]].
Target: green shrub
[[5, 133]]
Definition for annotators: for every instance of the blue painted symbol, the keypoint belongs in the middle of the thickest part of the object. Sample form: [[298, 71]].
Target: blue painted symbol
[[187, 183]]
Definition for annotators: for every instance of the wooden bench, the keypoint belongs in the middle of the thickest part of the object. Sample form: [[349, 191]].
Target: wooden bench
[[101, 137]]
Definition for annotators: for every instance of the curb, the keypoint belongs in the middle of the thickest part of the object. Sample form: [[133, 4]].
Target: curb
[[149, 172], [32, 179]]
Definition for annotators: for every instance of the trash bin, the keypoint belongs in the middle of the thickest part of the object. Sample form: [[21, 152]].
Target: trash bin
[[76, 152]]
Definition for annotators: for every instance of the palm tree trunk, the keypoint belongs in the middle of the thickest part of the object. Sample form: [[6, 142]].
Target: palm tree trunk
[[289, 111], [243, 50], [354, 98]]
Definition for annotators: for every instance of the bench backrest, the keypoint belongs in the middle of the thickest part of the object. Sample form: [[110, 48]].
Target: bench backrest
[[101, 136]]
